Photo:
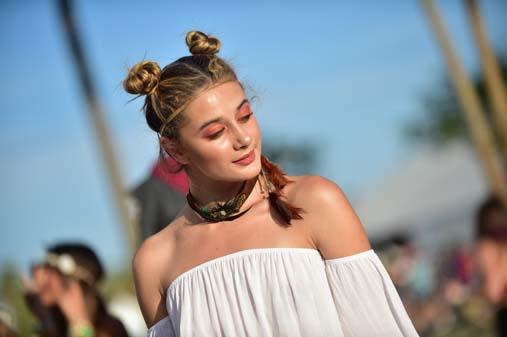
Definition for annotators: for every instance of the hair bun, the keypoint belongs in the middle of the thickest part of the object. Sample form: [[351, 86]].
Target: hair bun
[[200, 43], [142, 78]]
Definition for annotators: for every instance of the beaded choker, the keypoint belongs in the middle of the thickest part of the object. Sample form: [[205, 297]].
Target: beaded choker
[[223, 211]]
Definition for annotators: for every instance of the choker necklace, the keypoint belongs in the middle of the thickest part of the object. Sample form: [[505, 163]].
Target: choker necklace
[[223, 211]]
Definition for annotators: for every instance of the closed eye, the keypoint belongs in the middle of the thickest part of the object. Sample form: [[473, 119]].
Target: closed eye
[[216, 134], [246, 118]]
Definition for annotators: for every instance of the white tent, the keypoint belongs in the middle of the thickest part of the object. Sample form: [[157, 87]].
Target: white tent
[[433, 197]]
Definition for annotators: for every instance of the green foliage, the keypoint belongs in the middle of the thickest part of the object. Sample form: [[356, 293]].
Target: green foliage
[[443, 118], [11, 295]]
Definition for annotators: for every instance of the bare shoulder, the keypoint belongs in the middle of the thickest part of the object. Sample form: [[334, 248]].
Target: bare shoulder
[[335, 227], [150, 264], [152, 253], [310, 188], [315, 192]]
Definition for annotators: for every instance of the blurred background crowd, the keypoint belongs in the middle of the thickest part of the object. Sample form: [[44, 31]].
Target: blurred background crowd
[[402, 103]]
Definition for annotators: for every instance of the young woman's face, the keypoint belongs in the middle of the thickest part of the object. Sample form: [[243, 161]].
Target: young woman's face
[[49, 284], [220, 129]]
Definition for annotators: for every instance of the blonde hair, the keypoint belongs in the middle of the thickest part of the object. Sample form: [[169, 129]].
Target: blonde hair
[[170, 90]]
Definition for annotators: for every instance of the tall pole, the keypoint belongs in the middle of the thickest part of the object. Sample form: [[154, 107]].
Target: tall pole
[[494, 83], [98, 120], [481, 134]]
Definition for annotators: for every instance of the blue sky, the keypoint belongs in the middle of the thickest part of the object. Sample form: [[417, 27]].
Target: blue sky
[[343, 75]]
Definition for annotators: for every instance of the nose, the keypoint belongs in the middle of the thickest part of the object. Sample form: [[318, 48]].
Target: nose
[[241, 138]]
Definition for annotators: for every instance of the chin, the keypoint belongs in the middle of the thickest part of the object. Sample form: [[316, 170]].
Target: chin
[[251, 170], [244, 173]]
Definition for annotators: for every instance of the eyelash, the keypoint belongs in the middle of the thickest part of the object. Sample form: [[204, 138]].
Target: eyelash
[[247, 117], [244, 118], [215, 135]]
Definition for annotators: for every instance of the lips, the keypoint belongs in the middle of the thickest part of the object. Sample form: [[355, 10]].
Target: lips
[[246, 158]]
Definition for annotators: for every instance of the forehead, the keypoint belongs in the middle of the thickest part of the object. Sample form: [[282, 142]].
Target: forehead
[[214, 102]]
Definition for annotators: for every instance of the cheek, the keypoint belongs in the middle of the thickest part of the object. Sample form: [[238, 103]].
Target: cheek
[[56, 286], [48, 295], [256, 132], [205, 153], [211, 152], [40, 277]]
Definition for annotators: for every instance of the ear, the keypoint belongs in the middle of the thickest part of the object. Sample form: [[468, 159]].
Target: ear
[[174, 149]]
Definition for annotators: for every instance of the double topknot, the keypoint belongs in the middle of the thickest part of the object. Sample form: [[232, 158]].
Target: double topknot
[[171, 89], [200, 43], [181, 79], [143, 78]]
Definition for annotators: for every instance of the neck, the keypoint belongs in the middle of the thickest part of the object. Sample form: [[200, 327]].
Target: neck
[[209, 192]]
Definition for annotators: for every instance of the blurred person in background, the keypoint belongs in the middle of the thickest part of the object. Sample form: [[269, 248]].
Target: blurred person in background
[[62, 294], [254, 252], [160, 197], [491, 253]]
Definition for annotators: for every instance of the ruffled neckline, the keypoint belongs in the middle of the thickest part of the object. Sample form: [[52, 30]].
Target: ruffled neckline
[[269, 250], [238, 254]]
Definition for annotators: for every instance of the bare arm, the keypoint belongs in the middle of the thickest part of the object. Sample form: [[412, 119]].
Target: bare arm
[[147, 266], [365, 297]]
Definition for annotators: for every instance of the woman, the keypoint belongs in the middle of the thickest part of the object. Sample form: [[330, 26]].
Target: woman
[[491, 252], [63, 294], [254, 252]]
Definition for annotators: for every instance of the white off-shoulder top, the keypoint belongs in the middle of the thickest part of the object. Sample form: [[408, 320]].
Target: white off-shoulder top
[[293, 292]]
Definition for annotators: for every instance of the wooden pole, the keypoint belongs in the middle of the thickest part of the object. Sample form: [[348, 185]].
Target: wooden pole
[[98, 120], [480, 132], [494, 84]]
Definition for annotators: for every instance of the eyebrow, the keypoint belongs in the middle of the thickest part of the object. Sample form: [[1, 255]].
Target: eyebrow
[[214, 120]]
